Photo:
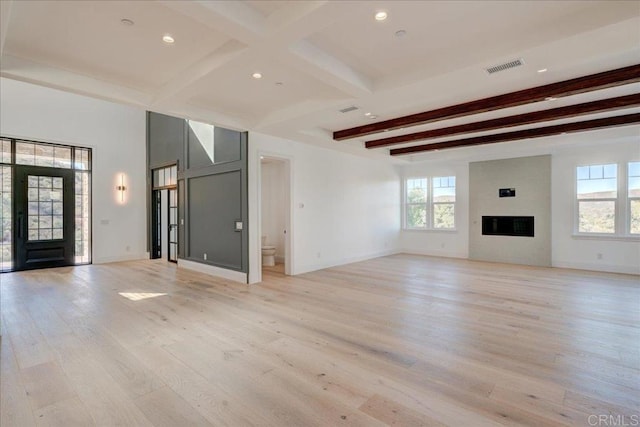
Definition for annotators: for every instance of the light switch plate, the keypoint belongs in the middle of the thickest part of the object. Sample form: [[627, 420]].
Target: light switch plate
[[238, 226]]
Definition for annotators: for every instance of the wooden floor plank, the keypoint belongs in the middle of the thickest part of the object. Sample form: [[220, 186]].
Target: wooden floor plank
[[64, 413], [165, 408], [15, 408], [394, 414], [46, 384]]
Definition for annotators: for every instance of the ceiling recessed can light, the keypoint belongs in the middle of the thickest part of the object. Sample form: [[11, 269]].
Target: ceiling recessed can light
[[373, 116], [279, 83], [168, 39], [401, 33], [367, 114], [127, 22], [542, 70], [256, 75], [381, 15]]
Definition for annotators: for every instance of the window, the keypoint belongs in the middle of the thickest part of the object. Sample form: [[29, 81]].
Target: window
[[6, 224], [165, 177], [416, 203], [430, 203], [606, 204], [45, 208], [634, 197], [444, 202], [597, 196]]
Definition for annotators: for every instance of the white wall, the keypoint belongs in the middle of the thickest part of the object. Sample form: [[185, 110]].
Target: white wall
[[440, 242], [617, 255], [116, 133], [345, 208], [274, 209], [567, 151]]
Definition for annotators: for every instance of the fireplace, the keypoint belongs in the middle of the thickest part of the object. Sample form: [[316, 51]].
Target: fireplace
[[508, 226]]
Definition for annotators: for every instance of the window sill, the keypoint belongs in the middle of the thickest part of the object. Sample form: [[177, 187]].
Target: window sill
[[436, 230], [595, 236]]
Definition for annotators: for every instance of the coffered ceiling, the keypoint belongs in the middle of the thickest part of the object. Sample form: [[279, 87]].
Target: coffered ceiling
[[319, 57]]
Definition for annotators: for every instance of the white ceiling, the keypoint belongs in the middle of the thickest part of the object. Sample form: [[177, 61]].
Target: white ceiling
[[327, 55]]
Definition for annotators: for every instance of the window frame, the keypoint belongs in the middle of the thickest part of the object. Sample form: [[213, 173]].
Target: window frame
[[622, 203], [406, 203], [429, 204], [630, 198], [433, 203]]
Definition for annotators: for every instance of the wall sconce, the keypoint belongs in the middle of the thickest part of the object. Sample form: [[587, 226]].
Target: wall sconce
[[121, 188]]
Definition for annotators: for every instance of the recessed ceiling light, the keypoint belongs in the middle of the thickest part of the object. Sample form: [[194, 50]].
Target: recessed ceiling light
[[367, 114], [127, 22], [381, 15], [168, 39], [550, 98], [279, 83], [542, 70], [261, 157], [256, 75], [373, 116], [401, 33]]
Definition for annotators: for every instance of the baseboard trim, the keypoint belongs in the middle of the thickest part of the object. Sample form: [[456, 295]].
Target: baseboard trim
[[335, 263], [236, 276], [604, 267], [572, 265], [120, 258], [441, 254]]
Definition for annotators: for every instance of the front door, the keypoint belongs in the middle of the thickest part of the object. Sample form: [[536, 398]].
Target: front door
[[44, 217]]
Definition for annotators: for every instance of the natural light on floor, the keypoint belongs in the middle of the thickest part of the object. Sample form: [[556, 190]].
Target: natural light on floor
[[137, 296]]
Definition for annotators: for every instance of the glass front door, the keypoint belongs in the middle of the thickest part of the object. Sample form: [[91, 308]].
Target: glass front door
[[44, 217]]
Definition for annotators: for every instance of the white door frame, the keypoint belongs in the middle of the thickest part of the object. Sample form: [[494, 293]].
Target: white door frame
[[288, 240]]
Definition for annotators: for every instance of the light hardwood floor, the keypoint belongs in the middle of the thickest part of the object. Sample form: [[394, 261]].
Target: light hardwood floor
[[400, 340]]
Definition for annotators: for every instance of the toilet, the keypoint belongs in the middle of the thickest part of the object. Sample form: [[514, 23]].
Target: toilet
[[268, 253]]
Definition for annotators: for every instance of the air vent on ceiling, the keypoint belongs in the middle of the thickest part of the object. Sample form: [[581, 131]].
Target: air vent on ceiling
[[505, 66], [348, 109]]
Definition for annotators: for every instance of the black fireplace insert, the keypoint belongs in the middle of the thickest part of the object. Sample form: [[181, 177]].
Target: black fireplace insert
[[507, 226]]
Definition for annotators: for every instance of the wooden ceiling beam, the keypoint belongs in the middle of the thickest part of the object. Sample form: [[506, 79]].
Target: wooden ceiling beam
[[606, 122], [517, 120], [617, 77]]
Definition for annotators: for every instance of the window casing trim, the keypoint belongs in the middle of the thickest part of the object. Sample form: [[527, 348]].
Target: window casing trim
[[622, 203], [428, 205]]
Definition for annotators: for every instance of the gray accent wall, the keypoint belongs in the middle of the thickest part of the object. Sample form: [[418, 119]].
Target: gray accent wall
[[212, 188], [215, 203], [165, 140], [531, 177]]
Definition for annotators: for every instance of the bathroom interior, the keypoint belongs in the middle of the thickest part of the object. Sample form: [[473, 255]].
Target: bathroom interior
[[275, 203]]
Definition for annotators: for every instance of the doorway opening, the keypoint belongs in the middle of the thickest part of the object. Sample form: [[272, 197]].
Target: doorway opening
[[45, 211], [275, 215], [164, 202]]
